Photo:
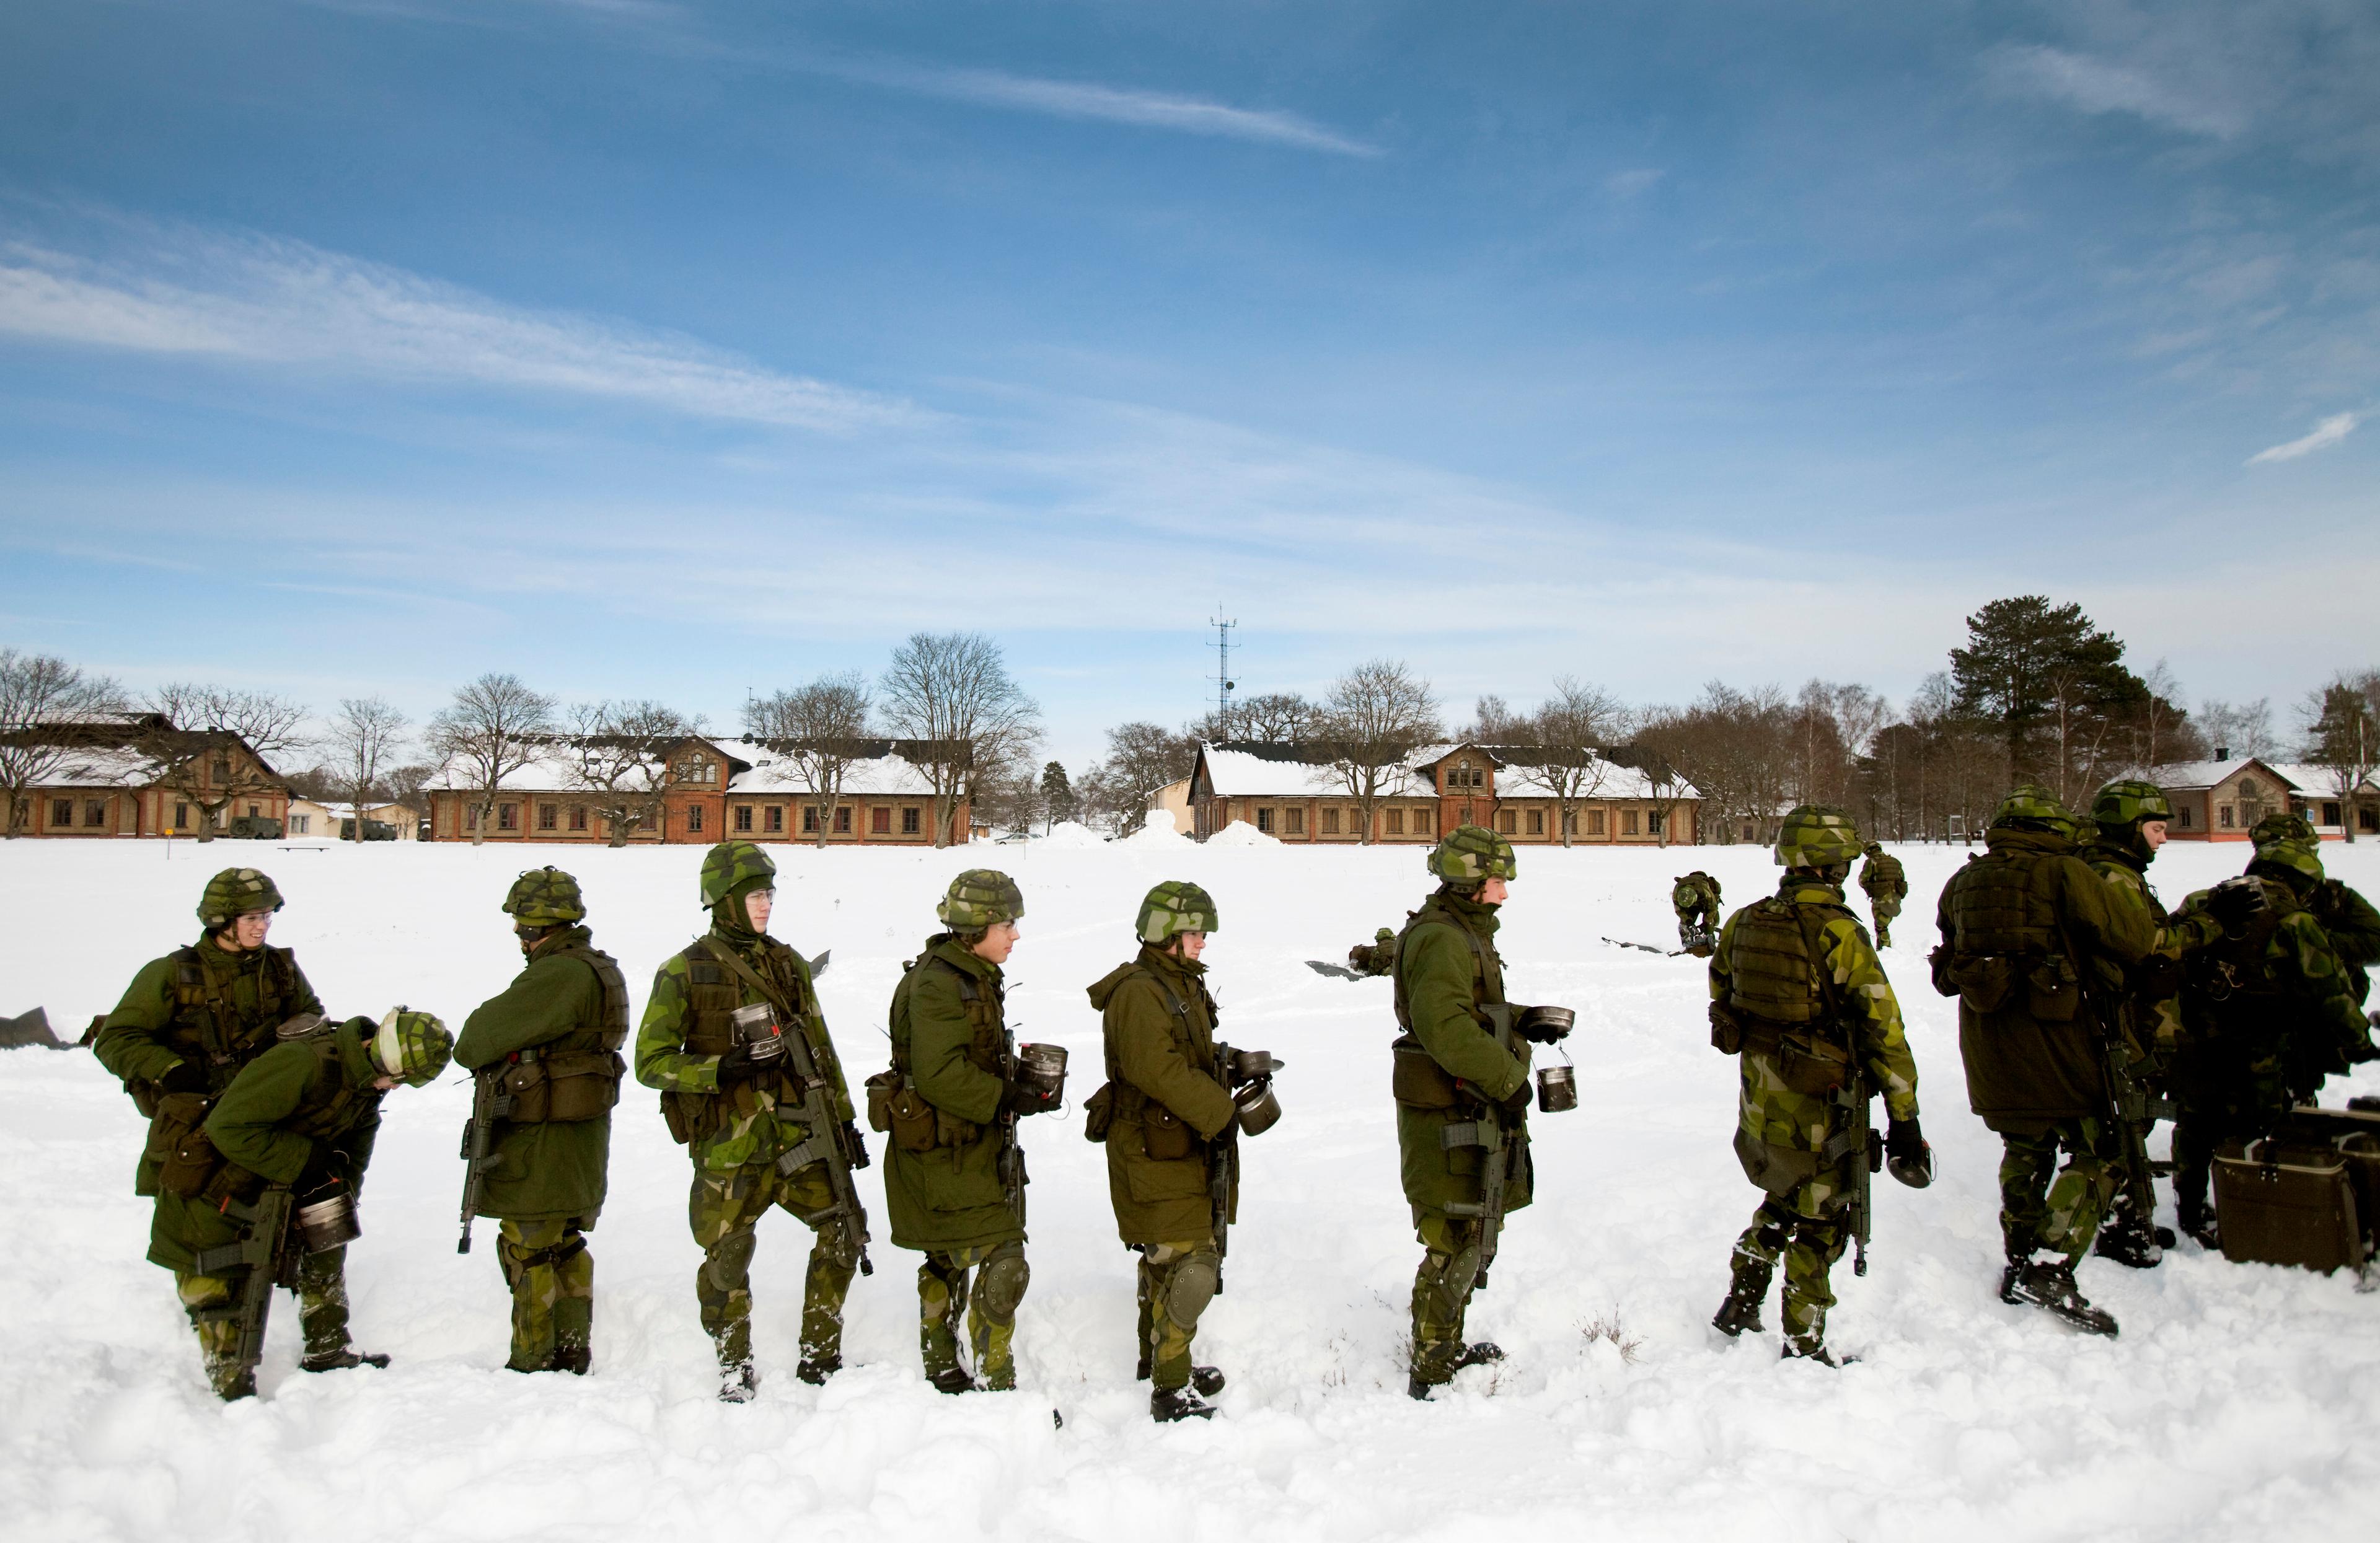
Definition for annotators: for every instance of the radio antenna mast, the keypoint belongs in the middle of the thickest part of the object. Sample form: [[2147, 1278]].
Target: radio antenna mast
[[1224, 682]]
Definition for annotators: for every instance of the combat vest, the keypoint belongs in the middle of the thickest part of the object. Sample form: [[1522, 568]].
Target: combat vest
[[207, 1028], [713, 992], [895, 1103], [575, 1075], [331, 1106], [2008, 950], [2235, 980], [1418, 1079]]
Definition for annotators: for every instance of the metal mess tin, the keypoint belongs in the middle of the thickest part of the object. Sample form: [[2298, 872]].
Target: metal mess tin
[[1545, 1025], [1556, 1089], [327, 1223], [757, 1026], [1042, 1066]]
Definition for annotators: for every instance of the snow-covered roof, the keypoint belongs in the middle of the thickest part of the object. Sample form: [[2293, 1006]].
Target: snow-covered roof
[[2310, 777], [103, 766], [1241, 774], [554, 770], [2191, 776], [773, 771], [1618, 781]]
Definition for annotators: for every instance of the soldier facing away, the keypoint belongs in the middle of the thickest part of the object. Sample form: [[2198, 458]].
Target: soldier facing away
[[300, 1117], [1800, 996], [551, 1042], [712, 1041], [2351, 922], [2021, 924], [1169, 1122], [1887, 885], [1695, 899], [185, 1027], [1461, 1080], [2269, 1012], [953, 1172]]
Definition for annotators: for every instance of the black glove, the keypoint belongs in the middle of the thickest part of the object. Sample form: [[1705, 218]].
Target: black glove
[[738, 1065], [859, 1158], [1517, 1101], [325, 1165], [185, 1076], [2235, 902], [1022, 1099], [1906, 1155]]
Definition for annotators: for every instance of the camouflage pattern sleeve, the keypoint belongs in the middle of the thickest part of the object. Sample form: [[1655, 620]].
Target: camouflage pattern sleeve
[[2303, 955], [126, 1044], [2351, 921], [1721, 981], [1861, 985], [1439, 997], [246, 1123], [661, 1059]]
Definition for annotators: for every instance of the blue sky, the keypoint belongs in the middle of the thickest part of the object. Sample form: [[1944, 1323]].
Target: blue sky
[[652, 349]]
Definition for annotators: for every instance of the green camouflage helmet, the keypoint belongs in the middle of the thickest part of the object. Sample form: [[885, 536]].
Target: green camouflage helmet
[[978, 898], [729, 864], [1174, 907], [2298, 856], [234, 892], [2127, 799], [2032, 801], [1472, 854], [2281, 827], [1818, 835], [412, 1046], [545, 897]]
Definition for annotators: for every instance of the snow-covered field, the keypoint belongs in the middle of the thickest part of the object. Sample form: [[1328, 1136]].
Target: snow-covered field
[[2240, 1402]]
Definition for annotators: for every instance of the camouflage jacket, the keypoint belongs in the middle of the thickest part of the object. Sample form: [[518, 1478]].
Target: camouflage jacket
[[1774, 1108], [1160, 1067], [747, 1122], [2149, 993], [2354, 928], [1695, 899], [1884, 880], [2275, 1007]]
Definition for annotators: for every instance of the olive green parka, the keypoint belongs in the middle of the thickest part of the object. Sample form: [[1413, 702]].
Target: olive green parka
[[1158, 1028], [556, 1169], [951, 1043], [1448, 995]]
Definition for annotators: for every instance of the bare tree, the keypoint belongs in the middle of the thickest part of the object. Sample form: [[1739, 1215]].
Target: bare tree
[[196, 733], [2343, 737], [1377, 714], [406, 784], [952, 690], [2243, 729], [823, 729], [362, 738], [493, 728], [43, 701], [1493, 721], [619, 751], [1557, 747], [1277, 718]]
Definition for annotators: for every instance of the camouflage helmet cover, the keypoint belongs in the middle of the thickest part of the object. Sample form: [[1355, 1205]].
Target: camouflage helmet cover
[[979, 897], [2299, 856], [1471, 855], [2281, 827], [2032, 801], [728, 865], [412, 1046], [1818, 835], [2127, 799], [1172, 908], [545, 897], [235, 892]]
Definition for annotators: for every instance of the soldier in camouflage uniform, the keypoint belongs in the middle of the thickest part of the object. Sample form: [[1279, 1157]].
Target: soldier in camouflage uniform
[[302, 1115], [1461, 1080], [731, 1102], [953, 1174], [2351, 922], [1168, 1107], [1695, 899], [1887, 886], [1798, 993], [552, 1039], [2269, 1012], [185, 1027], [2021, 925], [1377, 958]]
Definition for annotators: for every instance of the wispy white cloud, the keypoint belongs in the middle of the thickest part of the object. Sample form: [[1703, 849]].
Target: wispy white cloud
[[2327, 433], [2096, 86], [1630, 184], [264, 301]]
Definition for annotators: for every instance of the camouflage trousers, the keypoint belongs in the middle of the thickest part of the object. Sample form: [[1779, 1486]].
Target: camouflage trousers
[[1000, 1276], [2045, 1208], [321, 1315], [724, 1208], [552, 1280], [1177, 1280], [1809, 1246], [1441, 1294], [1884, 911]]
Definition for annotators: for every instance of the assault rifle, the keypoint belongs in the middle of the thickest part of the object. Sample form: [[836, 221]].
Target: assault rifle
[[1223, 1153], [830, 1141], [1646, 948], [265, 1255], [489, 1104], [1868, 1156]]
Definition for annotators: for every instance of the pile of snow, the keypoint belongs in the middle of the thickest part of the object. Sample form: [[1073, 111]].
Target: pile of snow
[[1159, 828], [2238, 1402], [1239, 833], [1069, 835]]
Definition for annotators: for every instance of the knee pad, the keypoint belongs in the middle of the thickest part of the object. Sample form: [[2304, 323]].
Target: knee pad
[[1455, 1281], [835, 1246], [1194, 1282], [1000, 1285], [729, 1259]]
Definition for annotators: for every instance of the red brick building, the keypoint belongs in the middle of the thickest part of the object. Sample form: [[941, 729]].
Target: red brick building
[[132, 775]]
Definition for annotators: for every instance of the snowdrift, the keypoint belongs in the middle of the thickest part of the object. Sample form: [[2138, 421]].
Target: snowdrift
[[2239, 1400]]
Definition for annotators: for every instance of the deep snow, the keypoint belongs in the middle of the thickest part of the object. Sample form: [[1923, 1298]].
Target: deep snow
[[2238, 1401]]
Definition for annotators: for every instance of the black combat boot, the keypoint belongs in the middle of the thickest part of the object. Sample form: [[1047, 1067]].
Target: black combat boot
[[2050, 1286], [340, 1360], [576, 1359], [1208, 1380], [2136, 1247], [1479, 1352], [1816, 1350], [1740, 1314], [954, 1380], [2199, 1222], [815, 1369], [737, 1383], [1168, 1405]]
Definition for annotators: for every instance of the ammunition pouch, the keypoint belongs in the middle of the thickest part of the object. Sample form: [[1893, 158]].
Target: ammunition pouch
[[1807, 1064], [1098, 1112], [1727, 1029], [915, 1124], [881, 1088], [1164, 1136], [185, 1159], [1418, 1081], [2053, 992], [555, 1089], [1983, 982]]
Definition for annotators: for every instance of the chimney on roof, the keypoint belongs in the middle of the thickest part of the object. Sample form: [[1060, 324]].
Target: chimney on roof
[[2223, 752]]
